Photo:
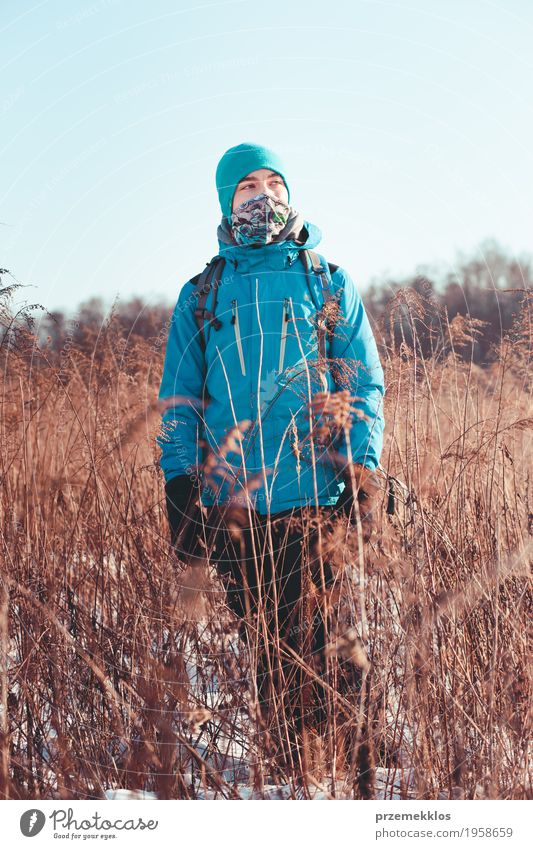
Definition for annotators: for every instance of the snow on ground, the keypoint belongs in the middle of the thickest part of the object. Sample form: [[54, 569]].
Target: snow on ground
[[230, 759], [388, 786]]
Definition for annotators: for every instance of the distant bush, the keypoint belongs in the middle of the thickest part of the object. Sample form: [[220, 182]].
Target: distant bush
[[490, 291]]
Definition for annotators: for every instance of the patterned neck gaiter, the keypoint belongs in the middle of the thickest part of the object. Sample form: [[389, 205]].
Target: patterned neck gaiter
[[259, 220]]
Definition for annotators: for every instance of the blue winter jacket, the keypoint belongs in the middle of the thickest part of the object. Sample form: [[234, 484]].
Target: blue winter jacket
[[260, 367]]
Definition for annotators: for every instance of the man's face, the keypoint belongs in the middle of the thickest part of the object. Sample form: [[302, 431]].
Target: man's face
[[258, 182]]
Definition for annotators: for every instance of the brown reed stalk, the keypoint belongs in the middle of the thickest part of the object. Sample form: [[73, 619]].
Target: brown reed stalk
[[110, 645]]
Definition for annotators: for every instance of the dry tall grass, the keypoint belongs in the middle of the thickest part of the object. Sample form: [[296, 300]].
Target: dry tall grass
[[109, 646]]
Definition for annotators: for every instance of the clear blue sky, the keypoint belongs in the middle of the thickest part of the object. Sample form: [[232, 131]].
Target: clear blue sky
[[407, 129]]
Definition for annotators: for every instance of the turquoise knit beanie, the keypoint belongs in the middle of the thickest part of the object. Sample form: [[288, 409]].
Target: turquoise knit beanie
[[239, 161]]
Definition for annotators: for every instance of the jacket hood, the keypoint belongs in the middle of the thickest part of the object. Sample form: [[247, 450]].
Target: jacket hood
[[276, 255]]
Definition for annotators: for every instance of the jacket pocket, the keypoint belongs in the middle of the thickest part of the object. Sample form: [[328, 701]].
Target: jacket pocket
[[237, 328]]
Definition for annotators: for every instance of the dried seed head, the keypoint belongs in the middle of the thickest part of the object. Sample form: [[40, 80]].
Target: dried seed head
[[196, 718], [348, 646], [332, 412], [193, 585]]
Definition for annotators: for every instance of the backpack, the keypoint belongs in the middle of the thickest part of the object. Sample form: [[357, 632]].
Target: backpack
[[210, 278]]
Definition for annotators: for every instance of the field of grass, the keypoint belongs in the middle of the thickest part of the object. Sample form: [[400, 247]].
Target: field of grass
[[121, 666]]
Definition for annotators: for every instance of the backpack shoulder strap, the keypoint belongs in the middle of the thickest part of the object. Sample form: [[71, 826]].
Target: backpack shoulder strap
[[327, 318], [204, 282], [319, 269], [311, 260]]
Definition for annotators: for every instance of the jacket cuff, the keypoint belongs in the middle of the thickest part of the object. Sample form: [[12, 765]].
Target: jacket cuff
[[360, 472], [366, 459]]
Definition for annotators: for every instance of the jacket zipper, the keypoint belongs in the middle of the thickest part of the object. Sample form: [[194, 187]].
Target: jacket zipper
[[283, 338], [237, 328]]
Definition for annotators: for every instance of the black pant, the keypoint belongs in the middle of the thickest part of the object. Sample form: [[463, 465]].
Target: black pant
[[276, 584]]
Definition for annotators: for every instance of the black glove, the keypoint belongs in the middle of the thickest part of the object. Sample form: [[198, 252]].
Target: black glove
[[344, 502], [183, 514], [367, 489]]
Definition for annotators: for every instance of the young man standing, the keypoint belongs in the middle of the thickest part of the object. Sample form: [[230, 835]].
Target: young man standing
[[274, 389]]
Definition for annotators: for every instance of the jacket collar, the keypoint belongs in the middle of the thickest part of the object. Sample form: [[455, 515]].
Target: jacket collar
[[276, 256]]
